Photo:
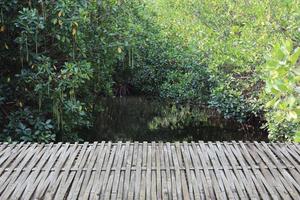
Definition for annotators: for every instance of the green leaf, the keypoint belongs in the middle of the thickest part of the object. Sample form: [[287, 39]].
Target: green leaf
[[289, 45], [297, 70], [291, 101], [270, 103], [295, 56], [292, 115], [297, 136]]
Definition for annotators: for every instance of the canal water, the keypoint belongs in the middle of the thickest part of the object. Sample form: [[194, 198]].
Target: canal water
[[148, 119]]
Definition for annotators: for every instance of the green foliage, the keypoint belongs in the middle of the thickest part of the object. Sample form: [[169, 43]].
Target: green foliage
[[59, 89], [59, 57], [282, 92], [184, 87], [231, 39], [231, 102], [178, 117], [28, 126]]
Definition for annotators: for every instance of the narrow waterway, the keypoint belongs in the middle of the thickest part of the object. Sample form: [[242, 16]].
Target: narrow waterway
[[147, 119]]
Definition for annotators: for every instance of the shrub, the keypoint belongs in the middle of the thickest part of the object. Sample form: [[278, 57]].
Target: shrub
[[282, 92]]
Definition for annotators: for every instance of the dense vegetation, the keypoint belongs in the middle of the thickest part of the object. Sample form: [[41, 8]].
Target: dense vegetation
[[58, 58]]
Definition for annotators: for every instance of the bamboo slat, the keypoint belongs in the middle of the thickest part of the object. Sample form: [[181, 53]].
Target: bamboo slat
[[156, 170]]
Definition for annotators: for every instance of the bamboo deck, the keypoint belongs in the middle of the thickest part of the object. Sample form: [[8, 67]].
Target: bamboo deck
[[220, 170]]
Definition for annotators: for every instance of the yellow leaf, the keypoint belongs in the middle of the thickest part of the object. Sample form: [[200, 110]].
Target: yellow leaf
[[6, 46], [73, 31], [59, 13], [119, 50], [2, 28]]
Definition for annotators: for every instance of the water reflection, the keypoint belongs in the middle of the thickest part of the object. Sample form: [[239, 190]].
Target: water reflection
[[146, 119]]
